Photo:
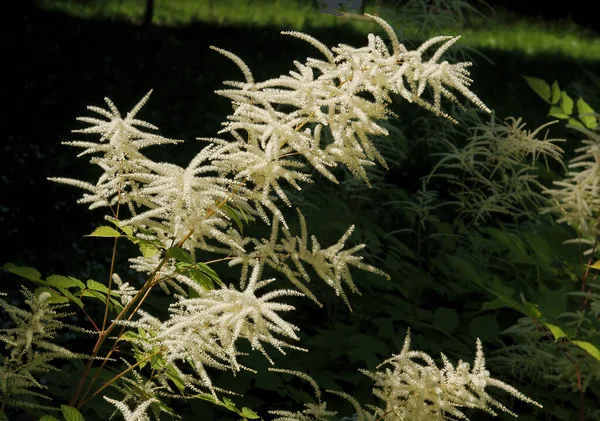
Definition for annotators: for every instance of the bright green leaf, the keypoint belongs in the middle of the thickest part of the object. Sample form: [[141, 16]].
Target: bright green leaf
[[557, 332], [591, 349], [589, 121], [71, 414], [180, 255], [540, 87], [595, 265], [555, 93], [575, 123], [96, 286], [557, 112], [104, 231], [248, 413], [127, 230], [60, 281], [147, 248], [566, 103]]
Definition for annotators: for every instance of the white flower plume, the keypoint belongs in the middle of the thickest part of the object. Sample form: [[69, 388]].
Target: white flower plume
[[415, 391]]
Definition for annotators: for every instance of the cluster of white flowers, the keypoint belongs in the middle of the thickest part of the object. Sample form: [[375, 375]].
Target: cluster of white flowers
[[276, 130], [415, 391], [577, 199]]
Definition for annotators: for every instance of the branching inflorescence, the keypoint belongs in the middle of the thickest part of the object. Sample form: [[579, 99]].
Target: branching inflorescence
[[276, 130]]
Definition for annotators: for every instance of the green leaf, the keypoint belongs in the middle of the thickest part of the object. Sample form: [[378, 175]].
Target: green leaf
[[44, 418], [531, 310], [71, 414], [590, 121], [540, 87], [233, 215], [200, 278], [3, 417], [575, 123], [555, 93], [591, 349], [96, 286], [595, 265], [557, 332], [557, 112], [210, 272], [147, 248], [127, 230], [60, 281], [446, 319], [495, 304], [566, 103], [104, 231], [180, 255], [25, 272], [71, 297], [175, 378], [248, 413]]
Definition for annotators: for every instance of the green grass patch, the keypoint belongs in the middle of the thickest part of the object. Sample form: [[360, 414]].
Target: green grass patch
[[503, 31]]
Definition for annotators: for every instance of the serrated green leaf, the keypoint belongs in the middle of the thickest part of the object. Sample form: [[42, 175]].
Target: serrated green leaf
[[566, 103], [557, 112], [104, 231], [94, 294], [71, 414], [556, 331], [24, 272], [180, 255], [60, 281], [96, 286], [248, 413], [540, 87], [591, 349], [586, 114], [555, 97]]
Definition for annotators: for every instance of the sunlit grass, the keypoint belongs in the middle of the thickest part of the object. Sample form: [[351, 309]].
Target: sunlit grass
[[504, 31], [290, 14]]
